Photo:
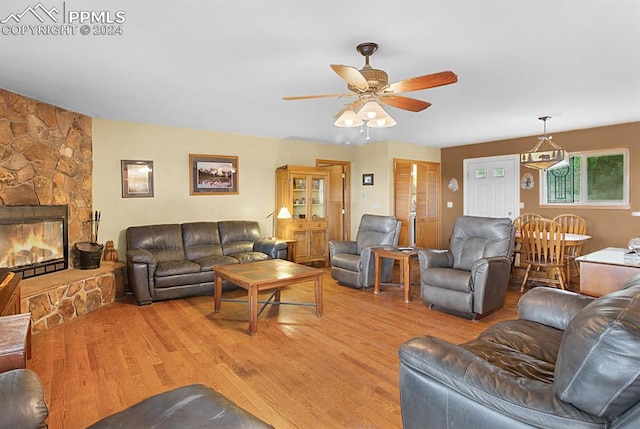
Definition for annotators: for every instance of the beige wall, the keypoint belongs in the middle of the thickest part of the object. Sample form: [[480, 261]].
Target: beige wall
[[377, 158], [169, 149], [609, 227]]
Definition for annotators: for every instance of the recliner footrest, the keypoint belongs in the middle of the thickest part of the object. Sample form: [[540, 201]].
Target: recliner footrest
[[192, 406]]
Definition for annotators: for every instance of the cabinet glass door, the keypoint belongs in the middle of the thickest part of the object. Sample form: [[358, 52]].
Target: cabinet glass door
[[317, 195], [299, 196]]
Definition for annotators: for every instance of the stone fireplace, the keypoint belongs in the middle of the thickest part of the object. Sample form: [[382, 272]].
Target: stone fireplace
[[46, 161]]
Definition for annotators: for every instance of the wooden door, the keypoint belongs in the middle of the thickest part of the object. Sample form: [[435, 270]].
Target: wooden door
[[417, 199], [402, 183], [338, 203], [427, 207]]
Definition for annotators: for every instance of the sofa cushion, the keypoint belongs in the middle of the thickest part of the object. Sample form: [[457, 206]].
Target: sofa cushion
[[249, 256], [201, 239], [598, 367], [526, 349], [163, 241], [376, 230], [172, 268], [207, 263], [476, 238], [457, 280], [238, 236]]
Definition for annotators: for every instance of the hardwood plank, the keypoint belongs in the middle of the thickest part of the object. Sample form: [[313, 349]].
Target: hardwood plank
[[298, 372]]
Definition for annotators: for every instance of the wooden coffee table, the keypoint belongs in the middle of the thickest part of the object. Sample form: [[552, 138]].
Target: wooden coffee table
[[259, 276]]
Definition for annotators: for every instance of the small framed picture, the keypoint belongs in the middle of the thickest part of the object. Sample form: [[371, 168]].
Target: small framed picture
[[213, 174], [367, 179], [137, 179]]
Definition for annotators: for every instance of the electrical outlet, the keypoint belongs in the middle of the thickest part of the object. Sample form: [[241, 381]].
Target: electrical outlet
[[449, 204]]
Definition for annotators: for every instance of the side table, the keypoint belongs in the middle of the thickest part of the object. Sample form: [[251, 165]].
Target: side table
[[15, 341], [291, 248], [405, 257]]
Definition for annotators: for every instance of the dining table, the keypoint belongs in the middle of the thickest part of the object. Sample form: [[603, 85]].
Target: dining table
[[570, 240], [572, 244]]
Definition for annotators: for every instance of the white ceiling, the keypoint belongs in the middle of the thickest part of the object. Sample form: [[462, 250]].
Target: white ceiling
[[225, 65]]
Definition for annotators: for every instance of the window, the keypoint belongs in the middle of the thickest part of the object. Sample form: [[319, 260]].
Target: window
[[596, 178]]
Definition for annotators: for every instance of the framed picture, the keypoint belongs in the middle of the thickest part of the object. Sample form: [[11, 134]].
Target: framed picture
[[367, 179], [213, 174], [137, 179]]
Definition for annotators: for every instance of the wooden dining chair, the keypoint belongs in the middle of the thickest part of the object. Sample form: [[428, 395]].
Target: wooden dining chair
[[572, 224], [516, 259], [543, 249]]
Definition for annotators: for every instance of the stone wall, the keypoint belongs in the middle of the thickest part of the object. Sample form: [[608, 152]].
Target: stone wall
[[46, 158], [58, 297]]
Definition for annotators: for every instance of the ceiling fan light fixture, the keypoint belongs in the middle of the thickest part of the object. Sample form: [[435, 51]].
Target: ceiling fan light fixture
[[371, 110], [384, 122], [348, 119]]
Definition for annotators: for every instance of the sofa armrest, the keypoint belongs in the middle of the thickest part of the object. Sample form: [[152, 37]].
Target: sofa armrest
[[339, 247], [434, 258], [490, 279], [276, 249], [141, 256], [443, 382], [141, 266], [22, 401], [551, 307]]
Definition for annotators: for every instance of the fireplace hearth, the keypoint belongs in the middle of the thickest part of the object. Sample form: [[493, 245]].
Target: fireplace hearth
[[34, 239]]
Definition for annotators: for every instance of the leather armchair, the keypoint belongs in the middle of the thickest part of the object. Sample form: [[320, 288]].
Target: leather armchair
[[352, 262], [472, 276], [568, 361]]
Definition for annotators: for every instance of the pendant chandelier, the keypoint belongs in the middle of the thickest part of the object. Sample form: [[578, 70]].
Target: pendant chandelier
[[545, 154]]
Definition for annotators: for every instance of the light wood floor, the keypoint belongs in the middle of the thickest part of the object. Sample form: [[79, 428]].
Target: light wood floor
[[340, 371]]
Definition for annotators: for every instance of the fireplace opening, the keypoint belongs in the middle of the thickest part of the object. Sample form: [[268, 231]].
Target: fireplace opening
[[33, 239]]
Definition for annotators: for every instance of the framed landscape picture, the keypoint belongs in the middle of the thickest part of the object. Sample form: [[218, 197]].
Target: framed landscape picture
[[137, 179], [213, 174]]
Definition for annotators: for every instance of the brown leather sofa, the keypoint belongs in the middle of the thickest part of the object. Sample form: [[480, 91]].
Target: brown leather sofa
[[171, 261], [23, 405]]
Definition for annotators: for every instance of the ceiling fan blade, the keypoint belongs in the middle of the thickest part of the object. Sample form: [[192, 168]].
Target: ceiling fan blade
[[352, 75], [424, 82], [307, 97], [405, 103]]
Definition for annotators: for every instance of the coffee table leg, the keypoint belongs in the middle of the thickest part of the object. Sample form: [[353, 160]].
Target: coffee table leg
[[217, 298], [253, 309], [318, 289]]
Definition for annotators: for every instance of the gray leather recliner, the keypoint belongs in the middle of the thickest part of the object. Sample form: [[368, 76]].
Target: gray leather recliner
[[352, 262], [568, 361], [472, 276]]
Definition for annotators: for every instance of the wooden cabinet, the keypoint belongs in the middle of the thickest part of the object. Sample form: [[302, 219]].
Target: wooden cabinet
[[304, 191]]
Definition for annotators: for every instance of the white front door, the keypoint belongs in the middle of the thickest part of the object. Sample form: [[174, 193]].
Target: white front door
[[491, 186]]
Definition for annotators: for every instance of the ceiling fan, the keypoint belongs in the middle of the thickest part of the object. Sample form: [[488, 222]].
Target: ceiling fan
[[369, 84]]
